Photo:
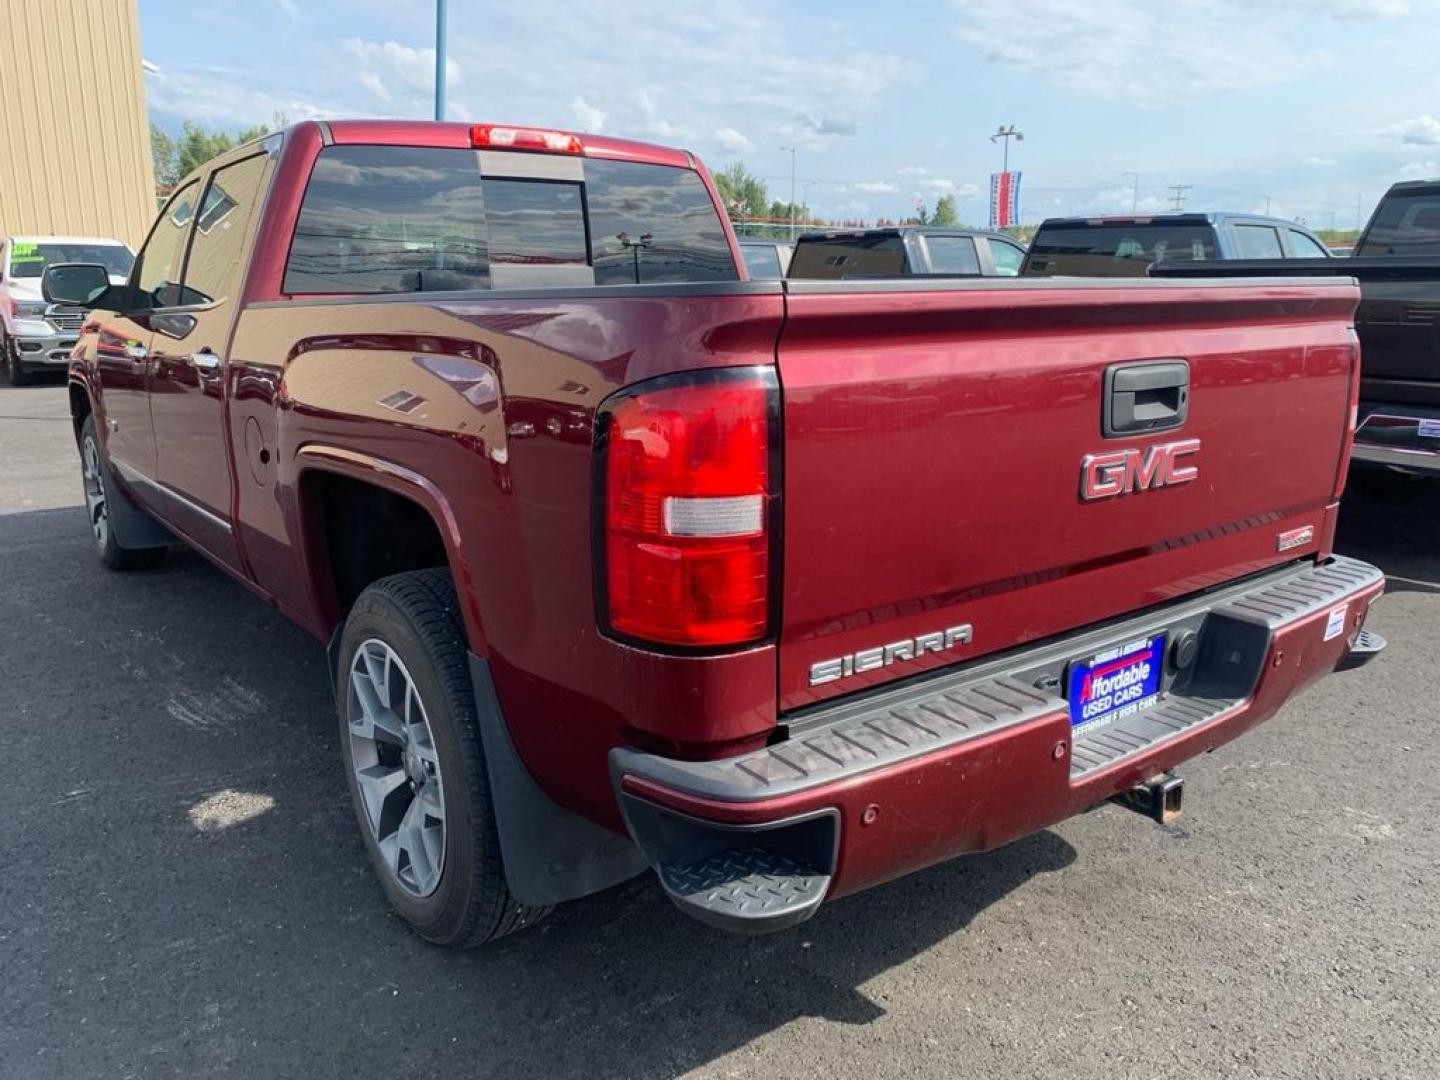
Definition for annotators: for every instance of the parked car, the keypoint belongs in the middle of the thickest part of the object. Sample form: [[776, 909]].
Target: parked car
[[906, 251], [1127, 246], [765, 260], [1397, 262], [34, 335], [1343, 251], [781, 589]]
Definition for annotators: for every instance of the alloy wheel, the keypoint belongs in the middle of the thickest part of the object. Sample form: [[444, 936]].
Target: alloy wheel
[[397, 768], [95, 506]]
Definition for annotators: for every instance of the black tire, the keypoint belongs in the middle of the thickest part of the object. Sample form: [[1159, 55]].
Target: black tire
[[416, 615], [98, 484], [14, 371]]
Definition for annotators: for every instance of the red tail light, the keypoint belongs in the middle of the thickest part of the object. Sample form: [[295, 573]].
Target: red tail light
[[688, 495]]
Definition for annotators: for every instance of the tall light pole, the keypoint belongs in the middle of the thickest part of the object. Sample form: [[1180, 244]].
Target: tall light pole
[[1004, 135], [440, 59], [791, 149], [1134, 190]]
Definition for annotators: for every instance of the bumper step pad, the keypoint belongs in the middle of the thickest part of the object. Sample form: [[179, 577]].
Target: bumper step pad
[[747, 886]]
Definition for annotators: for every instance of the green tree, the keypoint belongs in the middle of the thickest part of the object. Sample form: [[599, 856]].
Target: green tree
[[164, 157], [175, 158], [945, 212], [744, 193]]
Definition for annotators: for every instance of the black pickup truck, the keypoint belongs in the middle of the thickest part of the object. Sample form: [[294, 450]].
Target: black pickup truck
[[1397, 262]]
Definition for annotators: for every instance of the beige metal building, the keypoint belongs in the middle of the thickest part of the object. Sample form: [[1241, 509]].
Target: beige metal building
[[74, 132]]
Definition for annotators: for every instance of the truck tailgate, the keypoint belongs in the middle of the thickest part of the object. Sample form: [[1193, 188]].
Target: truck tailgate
[[935, 439]]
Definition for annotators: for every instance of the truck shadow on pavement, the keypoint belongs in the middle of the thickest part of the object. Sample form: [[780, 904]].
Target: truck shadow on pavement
[[206, 888], [197, 898]]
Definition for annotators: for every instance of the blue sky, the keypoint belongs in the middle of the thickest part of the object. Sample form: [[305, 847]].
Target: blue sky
[[1303, 105]]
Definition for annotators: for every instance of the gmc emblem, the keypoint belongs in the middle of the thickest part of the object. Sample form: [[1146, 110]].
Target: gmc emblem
[[1120, 472]]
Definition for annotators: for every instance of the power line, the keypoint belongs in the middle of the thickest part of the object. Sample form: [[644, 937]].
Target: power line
[[1178, 198]]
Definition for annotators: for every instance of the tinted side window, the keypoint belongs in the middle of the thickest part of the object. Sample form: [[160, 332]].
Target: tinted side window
[[1257, 242], [952, 255], [1304, 247], [213, 269], [390, 219], [653, 223], [159, 274], [1006, 257]]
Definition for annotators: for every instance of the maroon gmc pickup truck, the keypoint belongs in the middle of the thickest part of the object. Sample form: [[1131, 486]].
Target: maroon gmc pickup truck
[[782, 589]]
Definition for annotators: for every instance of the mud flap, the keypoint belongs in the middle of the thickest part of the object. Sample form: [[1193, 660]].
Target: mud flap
[[551, 854]]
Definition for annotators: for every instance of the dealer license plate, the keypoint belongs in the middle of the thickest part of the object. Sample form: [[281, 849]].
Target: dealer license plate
[[1118, 682]]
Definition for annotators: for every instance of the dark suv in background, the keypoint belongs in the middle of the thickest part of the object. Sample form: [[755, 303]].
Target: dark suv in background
[[1128, 246]]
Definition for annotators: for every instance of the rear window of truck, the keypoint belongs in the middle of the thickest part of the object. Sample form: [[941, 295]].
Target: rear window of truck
[[1405, 224], [831, 258], [378, 219], [1117, 250]]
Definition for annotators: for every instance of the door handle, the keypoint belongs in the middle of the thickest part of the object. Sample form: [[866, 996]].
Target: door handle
[[205, 361], [1148, 396]]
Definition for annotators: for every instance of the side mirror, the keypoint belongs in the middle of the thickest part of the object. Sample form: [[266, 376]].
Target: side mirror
[[80, 284]]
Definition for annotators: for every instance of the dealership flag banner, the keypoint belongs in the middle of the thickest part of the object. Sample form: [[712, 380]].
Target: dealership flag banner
[[1004, 199]]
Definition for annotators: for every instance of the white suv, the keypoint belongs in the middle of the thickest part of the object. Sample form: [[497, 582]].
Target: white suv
[[36, 335]]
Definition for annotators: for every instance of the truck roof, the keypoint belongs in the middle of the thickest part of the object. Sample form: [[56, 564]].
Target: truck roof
[[896, 230], [1197, 217], [456, 135]]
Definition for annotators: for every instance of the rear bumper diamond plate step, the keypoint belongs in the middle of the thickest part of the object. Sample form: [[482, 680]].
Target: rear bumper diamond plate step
[[891, 780]]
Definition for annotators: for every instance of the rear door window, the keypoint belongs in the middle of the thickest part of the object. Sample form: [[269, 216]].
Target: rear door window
[[1303, 246], [952, 255], [417, 219], [1257, 242], [212, 271]]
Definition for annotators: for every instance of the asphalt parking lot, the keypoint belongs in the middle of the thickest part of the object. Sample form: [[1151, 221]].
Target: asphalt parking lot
[[183, 893]]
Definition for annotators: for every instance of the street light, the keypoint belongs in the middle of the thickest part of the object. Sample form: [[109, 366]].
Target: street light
[[645, 240], [1134, 190], [1004, 134], [791, 151], [440, 59]]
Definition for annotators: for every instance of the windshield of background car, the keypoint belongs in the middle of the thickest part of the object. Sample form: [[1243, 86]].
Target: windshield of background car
[[1119, 250], [29, 259], [1405, 225]]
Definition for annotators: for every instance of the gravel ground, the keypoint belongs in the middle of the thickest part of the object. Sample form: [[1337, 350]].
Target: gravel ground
[[182, 892]]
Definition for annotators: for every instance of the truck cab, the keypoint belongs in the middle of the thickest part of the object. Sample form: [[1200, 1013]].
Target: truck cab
[[1128, 245]]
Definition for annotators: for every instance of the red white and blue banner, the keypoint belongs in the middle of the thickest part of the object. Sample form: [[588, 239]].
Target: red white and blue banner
[[1004, 199]]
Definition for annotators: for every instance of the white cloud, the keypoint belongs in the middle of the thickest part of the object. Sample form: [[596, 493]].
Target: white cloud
[[733, 141], [937, 185], [587, 116], [1321, 162], [1154, 54], [387, 67], [913, 170], [221, 99], [1420, 170], [1417, 131], [705, 67], [876, 187]]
